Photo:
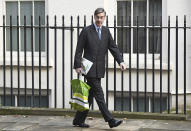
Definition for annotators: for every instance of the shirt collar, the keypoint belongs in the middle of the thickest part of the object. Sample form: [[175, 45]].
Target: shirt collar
[[97, 27]]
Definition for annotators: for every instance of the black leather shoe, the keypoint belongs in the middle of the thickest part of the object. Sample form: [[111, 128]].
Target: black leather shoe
[[81, 125], [114, 123]]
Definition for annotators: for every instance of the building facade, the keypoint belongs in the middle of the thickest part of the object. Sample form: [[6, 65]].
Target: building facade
[[126, 12]]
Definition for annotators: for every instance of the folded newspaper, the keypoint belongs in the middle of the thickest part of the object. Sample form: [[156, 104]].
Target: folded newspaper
[[86, 65]]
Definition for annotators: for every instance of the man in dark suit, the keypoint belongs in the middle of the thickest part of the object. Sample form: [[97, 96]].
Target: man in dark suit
[[94, 41]]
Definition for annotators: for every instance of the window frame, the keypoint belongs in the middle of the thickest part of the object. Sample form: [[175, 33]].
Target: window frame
[[28, 53], [141, 95], [141, 55]]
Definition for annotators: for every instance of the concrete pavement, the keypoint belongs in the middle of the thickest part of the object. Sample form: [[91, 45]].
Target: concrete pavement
[[64, 123]]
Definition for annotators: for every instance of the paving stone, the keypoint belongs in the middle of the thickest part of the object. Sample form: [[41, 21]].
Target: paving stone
[[17, 127], [62, 123], [5, 124]]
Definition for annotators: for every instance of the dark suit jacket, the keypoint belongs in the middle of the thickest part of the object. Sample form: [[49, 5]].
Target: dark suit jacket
[[95, 50]]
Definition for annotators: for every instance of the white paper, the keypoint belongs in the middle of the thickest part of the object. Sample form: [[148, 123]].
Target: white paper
[[86, 65]]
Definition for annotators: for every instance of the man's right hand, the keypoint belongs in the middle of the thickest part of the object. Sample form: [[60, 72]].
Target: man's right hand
[[78, 70]]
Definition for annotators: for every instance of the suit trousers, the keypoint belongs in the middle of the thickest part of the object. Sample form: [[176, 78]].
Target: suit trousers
[[97, 92]]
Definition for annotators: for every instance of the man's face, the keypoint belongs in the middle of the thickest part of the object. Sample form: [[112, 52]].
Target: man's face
[[99, 19]]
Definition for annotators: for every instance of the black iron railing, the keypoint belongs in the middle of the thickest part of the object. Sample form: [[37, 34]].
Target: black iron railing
[[70, 56]]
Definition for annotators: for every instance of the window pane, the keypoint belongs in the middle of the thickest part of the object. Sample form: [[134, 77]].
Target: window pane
[[141, 40], [11, 10], [39, 10], [125, 104], [141, 104], [154, 39], [155, 9], [123, 39], [140, 10], [123, 10], [157, 104], [43, 101], [14, 39], [42, 39], [22, 101], [26, 10], [8, 100]]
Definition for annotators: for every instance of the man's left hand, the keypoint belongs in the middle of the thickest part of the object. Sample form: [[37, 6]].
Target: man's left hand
[[122, 66]]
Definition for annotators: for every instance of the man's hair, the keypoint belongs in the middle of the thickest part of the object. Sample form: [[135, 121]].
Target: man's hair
[[99, 10]]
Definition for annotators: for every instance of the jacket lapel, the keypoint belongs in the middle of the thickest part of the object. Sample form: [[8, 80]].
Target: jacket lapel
[[95, 35], [103, 33], [94, 32]]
